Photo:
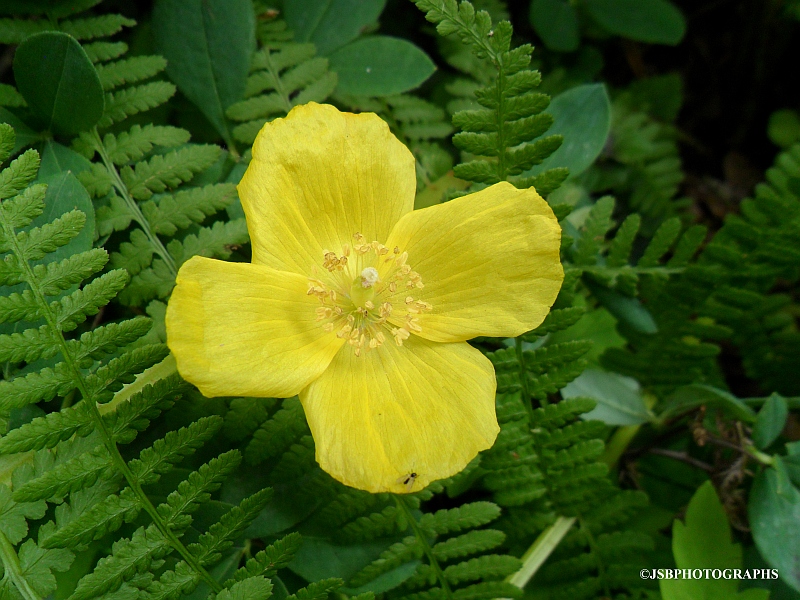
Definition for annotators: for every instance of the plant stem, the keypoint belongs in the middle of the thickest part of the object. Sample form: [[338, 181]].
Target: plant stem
[[618, 443], [13, 570], [523, 379], [133, 206], [276, 77], [540, 550], [100, 425], [601, 570], [426, 547]]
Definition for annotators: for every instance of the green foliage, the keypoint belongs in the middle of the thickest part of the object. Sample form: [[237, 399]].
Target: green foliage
[[283, 74], [726, 294], [705, 538], [74, 456], [642, 164], [49, 69], [207, 46], [500, 134], [380, 65], [120, 481]]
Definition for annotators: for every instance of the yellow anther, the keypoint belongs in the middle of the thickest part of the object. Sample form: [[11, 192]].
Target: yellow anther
[[400, 334], [349, 309]]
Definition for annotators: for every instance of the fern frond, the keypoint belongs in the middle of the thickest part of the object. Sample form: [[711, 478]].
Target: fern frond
[[282, 76], [268, 561], [99, 52], [173, 448], [134, 144], [278, 433], [130, 101], [502, 135], [89, 28], [130, 70], [220, 536], [179, 211], [74, 474]]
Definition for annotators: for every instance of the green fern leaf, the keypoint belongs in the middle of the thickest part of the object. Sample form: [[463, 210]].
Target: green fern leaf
[[173, 448], [130, 70], [268, 561], [253, 588], [130, 101], [277, 434], [168, 170], [179, 211], [197, 488], [221, 534], [128, 556], [104, 51], [101, 518], [482, 568], [317, 590], [467, 516], [74, 474], [469, 543], [96, 27], [132, 145]]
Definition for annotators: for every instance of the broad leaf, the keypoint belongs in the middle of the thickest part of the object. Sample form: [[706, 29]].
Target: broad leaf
[[653, 21], [556, 23], [57, 158], [380, 66], [208, 45], [619, 399], [704, 541], [59, 82], [770, 421], [330, 24], [774, 513], [583, 116]]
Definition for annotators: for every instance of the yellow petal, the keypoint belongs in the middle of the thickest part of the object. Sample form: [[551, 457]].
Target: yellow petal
[[489, 262], [423, 408], [319, 176], [238, 329]]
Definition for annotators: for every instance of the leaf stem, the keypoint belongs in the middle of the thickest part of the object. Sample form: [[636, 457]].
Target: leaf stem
[[105, 435], [13, 570], [601, 570], [275, 74], [523, 379], [426, 547], [133, 206], [540, 550]]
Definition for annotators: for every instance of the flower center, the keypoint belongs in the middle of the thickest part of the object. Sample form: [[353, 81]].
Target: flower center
[[364, 294]]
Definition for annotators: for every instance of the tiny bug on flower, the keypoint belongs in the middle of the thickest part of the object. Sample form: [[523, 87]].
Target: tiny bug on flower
[[408, 480]]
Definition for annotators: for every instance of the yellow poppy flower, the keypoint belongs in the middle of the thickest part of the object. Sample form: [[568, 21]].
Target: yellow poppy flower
[[363, 307]]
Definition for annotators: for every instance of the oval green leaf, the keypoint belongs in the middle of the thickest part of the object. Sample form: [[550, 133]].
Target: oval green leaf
[[652, 21], [556, 23], [770, 421], [330, 24], [57, 159], [774, 512], [583, 116], [690, 396], [619, 398], [66, 193], [208, 45], [380, 66], [59, 82]]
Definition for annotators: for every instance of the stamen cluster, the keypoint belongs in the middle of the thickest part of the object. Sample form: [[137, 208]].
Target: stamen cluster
[[364, 294]]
